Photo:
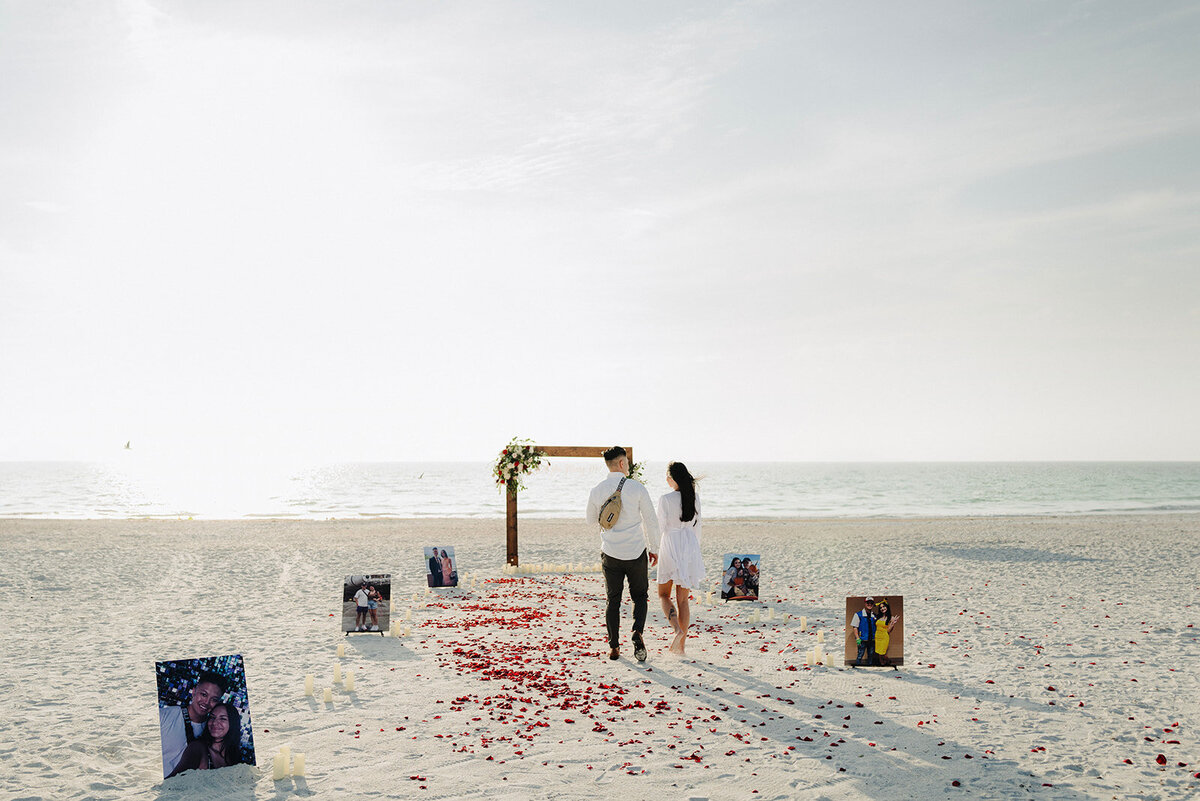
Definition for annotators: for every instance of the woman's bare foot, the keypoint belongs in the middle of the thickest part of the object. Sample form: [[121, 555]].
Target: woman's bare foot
[[678, 643]]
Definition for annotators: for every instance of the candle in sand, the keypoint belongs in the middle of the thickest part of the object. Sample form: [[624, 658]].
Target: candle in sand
[[328, 695], [341, 649], [308, 684], [279, 769], [803, 622], [298, 765], [285, 751]]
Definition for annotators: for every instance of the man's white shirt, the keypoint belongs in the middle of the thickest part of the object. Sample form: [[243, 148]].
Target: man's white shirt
[[174, 737], [637, 526]]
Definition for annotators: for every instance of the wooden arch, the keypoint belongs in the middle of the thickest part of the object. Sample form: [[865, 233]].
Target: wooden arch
[[548, 450]]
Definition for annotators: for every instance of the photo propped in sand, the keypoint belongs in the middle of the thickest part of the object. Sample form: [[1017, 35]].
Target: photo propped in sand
[[874, 631], [440, 568], [366, 603], [739, 577], [203, 714]]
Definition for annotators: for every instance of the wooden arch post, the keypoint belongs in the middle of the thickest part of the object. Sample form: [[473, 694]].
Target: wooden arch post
[[547, 450]]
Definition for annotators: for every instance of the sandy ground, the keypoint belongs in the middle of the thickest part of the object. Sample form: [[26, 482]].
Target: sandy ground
[[1045, 657]]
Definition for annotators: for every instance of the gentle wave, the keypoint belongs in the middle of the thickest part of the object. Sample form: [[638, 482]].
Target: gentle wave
[[133, 488]]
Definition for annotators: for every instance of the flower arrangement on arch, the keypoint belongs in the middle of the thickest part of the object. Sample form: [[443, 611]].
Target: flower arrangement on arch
[[518, 459]]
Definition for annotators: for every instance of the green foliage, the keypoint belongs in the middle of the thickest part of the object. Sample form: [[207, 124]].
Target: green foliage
[[517, 460]]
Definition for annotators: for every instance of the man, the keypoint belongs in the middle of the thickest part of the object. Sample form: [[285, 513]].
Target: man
[[179, 725], [863, 625], [626, 550], [435, 569], [362, 600]]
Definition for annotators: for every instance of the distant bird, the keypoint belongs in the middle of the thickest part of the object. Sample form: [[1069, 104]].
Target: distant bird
[[127, 445]]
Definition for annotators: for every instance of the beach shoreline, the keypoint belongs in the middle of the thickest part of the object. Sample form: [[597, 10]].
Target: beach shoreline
[[1047, 649]]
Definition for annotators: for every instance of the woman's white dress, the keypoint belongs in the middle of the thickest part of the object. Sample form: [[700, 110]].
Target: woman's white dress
[[679, 557]]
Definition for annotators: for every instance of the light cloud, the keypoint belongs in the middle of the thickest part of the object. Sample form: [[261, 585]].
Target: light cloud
[[412, 231]]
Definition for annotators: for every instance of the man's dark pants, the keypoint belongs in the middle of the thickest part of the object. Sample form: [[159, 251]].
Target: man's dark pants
[[615, 572], [867, 649]]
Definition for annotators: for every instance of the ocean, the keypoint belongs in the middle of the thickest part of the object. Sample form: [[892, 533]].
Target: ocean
[[135, 487]]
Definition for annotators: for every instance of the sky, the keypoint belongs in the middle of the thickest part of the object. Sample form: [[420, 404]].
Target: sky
[[367, 230]]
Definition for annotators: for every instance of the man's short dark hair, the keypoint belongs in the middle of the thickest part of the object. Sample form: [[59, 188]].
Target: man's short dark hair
[[214, 678], [614, 453]]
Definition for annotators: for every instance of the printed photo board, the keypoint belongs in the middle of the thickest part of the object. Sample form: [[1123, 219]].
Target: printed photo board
[[366, 603], [874, 630], [440, 568], [739, 577], [203, 714]]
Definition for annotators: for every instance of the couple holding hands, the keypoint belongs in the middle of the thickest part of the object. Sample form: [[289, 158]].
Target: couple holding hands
[[627, 548]]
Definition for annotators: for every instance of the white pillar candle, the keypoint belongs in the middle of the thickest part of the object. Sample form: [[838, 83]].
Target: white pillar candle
[[414, 597], [395, 629], [407, 631], [278, 770], [341, 649], [819, 655], [821, 635], [308, 684], [803, 622], [337, 672], [328, 695], [771, 613], [350, 683], [298, 765], [408, 614], [285, 751]]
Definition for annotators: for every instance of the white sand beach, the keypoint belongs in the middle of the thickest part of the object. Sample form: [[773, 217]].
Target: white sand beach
[[1046, 658]]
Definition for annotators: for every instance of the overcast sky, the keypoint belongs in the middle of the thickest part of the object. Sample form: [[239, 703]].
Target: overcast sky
[[784, 231]]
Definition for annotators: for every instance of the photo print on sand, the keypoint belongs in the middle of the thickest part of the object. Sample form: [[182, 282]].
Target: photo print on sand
[[739, 577], [203, 714], [440, 567], [367, 603], [874, 631]]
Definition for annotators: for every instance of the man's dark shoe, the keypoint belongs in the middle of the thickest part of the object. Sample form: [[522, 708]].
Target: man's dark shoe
[[639, 648], [614, 653]]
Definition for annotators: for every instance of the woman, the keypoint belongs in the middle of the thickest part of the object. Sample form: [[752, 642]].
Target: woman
[[218, 746], [679, 560], [884, 623], [447, 570], [373, 599], [729, 579]]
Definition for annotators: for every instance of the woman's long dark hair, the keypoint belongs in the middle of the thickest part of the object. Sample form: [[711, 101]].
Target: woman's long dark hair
[[232, 741], [687, 489]]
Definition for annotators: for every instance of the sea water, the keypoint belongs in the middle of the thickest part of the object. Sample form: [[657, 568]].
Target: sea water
[[134, 487]]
